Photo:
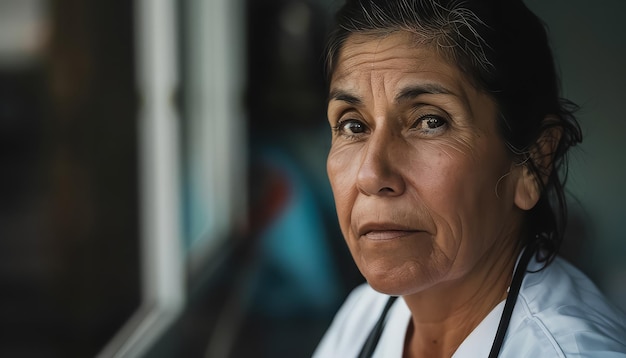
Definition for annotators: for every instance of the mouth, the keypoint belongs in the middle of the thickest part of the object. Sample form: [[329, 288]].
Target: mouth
[[386, 232]]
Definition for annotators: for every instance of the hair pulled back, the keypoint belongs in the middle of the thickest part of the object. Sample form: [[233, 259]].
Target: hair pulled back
[[503, 48]]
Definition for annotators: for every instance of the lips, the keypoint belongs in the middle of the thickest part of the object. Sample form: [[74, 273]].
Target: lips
[[388, 235], [385, 231]]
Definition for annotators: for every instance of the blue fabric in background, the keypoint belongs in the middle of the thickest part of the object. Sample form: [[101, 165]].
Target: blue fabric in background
[[295, 272]]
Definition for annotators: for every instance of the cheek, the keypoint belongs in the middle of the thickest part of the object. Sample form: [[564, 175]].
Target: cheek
[[337, 173], [475, 213], [439, 173], [441, 186], [457, 185], [341, 174]]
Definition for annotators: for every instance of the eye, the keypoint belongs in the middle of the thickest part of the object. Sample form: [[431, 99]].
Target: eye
[[350, 127], [430, 124]]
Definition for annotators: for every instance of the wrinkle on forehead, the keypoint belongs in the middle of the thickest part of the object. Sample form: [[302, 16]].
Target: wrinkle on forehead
[[397, 52], [393, 58], [363, 44]]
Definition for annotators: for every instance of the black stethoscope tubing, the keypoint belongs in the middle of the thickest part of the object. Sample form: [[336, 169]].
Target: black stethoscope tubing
[[367, 351]]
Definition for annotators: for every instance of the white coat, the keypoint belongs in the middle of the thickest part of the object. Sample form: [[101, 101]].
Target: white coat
[[559, 313]]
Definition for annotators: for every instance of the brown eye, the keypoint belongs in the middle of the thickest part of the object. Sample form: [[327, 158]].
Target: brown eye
[[430, 124], [433, 122], [351, 127]]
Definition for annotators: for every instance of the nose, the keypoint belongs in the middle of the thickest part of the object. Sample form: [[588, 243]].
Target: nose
[[380, 169]]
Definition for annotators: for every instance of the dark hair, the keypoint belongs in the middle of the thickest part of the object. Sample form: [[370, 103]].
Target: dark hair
[[503, 48]]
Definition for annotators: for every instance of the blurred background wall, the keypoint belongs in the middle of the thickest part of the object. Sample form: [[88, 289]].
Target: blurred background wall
[[262, 280], [69, 253], [590, 48]]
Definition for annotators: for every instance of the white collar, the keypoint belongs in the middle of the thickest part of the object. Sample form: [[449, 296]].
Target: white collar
[[477, 344]]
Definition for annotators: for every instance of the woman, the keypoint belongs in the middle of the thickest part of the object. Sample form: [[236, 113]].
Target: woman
[[448, 139]]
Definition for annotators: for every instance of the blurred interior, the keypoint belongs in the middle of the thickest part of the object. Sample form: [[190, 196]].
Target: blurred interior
[[163, 189]]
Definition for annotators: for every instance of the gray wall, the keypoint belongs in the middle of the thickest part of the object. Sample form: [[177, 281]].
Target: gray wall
[[588, 38]]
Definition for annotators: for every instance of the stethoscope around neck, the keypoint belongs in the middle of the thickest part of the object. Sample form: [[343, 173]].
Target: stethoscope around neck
[[370, 344]]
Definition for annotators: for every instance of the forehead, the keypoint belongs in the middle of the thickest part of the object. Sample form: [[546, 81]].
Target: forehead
[[399, 57]]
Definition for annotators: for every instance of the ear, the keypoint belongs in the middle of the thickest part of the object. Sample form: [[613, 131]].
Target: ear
[[528, 188]]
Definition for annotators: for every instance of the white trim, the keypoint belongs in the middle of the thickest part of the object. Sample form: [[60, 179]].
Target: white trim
[[216, 123], [163, 271]]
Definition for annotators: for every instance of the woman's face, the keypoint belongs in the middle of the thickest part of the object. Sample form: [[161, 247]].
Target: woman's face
[[424, 185]]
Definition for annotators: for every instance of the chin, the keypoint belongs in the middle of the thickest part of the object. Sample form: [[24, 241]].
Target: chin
[[399, 282]]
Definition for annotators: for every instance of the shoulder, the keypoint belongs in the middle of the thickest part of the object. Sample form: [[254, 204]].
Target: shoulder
[[563, 313], [352, 323]]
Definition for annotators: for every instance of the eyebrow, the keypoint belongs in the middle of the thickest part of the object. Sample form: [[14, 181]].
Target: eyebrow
[[413, 91], [405, 94], [344, 96]]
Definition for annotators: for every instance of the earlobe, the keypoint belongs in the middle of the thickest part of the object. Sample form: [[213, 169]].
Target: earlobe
[[526, 189]]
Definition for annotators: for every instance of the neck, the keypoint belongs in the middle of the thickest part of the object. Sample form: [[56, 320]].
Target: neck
[[444, 315]]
